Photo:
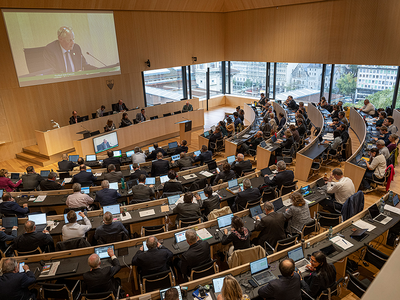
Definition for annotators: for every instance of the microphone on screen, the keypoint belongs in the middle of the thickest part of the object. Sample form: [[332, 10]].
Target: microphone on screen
[[96, 59]]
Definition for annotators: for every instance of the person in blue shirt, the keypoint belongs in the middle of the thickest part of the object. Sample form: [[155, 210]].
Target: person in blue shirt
[[9, 206], [237, 120], [107, 196], [5, 237]]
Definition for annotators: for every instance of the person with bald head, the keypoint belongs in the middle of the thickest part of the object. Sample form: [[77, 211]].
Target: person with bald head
[[63, 55], [368, 108], [156, 259], [240, 164], [100, 279], [187, 107], [65, 164], [32, 239]]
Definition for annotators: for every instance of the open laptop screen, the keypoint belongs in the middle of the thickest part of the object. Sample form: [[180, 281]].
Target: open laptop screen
[[180, 236], [217, 284], [113, 185], [117, 153], [255, 211], [151, 149], [172, 199], [78, 218], [9, 222], [305, 190], [202, 195], [39, 219], [91, 157], [85, 190], [374, 210], [129, 153], [172, 145], [113, 209], [73, 158], [230, 159], [296, 254], [197, 153], [278, 204], [44, 173], [150, 180], [259, 265], [232, 183], [225, 220]]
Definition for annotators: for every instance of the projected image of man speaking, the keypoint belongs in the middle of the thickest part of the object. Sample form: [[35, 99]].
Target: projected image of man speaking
[[63, 55]]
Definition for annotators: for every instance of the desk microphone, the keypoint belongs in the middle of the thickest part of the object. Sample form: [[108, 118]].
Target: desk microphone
[[96, 59], [85, 128]]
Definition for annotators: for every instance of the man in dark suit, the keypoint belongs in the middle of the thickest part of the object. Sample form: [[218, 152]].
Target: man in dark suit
[[13, 284], [111, 159], [9, 206], [120, 106], [205, 155], [63, 55], [31, 179], [74, 118], [240, 164], [301, 127], [50, 183], [103, 146], [137, 172], [182, 148], [287, 287], [197, 255], [109, 227], [4, 237], [156, 150], [83, 177], [184, 162], [272, 227], [252, 143], [211, 202], [216, 135], [154, 260], [32, 239], [187, 209], [107, 196], [282, 121], [141, 117], [112, 175], [65, 164], [99, 279], [160, 166], [284, 177], [187, 107], [142, 191], [248, 195]]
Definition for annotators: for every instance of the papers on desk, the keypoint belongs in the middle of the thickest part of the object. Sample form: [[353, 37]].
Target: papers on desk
[[245, 136], [190, 176], [52, 225], [146, 213], [49, 269], [206, 173], [164, 208], [341, 242], [364, 225], [97, 174], [204, 234], [392, 209], [67, 180], [127, 216], [40, 198]]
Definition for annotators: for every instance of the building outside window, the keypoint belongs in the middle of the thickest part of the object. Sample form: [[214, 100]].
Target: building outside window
[[198, 76], [248, 78]]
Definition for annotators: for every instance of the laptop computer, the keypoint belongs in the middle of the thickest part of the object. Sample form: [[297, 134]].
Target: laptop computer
[[273, 138], [91, 157], [150, 181], [8, 223], [230, 159], [259, 271], [178, 288], [331, 250], [113, 185], [378, 217], [78, 218], [359, 234], [67, 268], [217, 286], [85, 190], [73, 158], [233, 186], [256, 211], [206, 134], [117, 153], [151, 149], [14, 176], [172, 145], [278, 204], [164, 179], [180, 241], [114, 210], [131, 183], [129, 153], [197, 153], [212, 166], [175, 157], [300, 261], [44, 173], [172, 200], [103, 254], [40, 221], [225, 222], [89, 170]]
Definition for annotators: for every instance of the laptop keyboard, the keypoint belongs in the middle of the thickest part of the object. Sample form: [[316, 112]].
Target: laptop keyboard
[[380, 218], [301, 263], [264, 277], [312, 197]]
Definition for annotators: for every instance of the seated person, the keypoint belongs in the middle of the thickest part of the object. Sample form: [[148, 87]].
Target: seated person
[[99, 279], [10, 207], [211, 202], [6, 183], [344, 133], [187, 107], [271, 227], [109, 227], [241, 114], [125, 120], [173, 185], [249, 194], [141, 117], [284, 177], [368, 108], [388, 122], [182, 147], [291, 104], [239, 236], [226, 174], [111, 159], [83, 177], [107, 196], [4, 237], [335, 112], [15, 285], [282, 121], [343, 119], [295, 133], [384, 135], [74, 118], [222, 127], [337, 141], [301, 127], [77, 199], [287, 144], [265, 127], [137, 172], [138, 157], [184, 162], [286, 287], [263, 100], [159, 167], [240, 164], [100, 111], [142, 191], [381, 119], [335, 123], [110, 126], [380, 144], [112, 175], [238, 121], [31, 179], [324, 104], [230, 127], [216, 135], [121, 107], [297, 214], [322, 276], [252, 143], [65, 164], [187, 209], [198, 253], [73, 229], [50, 183], [231, 290], [156, 259], [32, 239], [376, 168], [153, 154], [205, 155], [80, 162], [392, 138]]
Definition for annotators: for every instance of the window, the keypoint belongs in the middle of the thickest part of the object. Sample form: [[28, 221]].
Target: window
[[302, 81], [163, 85], [355, 83], [248, 78], [271, 79], [198, 77], [327, 82]]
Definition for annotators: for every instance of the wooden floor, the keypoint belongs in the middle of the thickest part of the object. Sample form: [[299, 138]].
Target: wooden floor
[[212, 117]]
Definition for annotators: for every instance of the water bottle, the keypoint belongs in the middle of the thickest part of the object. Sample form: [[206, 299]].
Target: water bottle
[[390, 199], [382, 206], [330, 233], [122, 183]]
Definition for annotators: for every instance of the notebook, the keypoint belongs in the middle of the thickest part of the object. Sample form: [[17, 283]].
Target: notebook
[[259, 271], [378, 217], [40, 221], [298, 256]]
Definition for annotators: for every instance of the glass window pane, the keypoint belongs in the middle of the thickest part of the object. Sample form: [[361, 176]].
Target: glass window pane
[[163, 85], [248, 78], [271, 79], [327, 81], [198, 73], [355, 83], [302, 81]]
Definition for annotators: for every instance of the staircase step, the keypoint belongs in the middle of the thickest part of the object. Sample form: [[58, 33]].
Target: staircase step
[[33, 159], [34, 151]]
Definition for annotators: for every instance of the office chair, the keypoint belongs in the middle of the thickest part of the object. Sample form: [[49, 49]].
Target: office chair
[[156, 281], [281, 244], [34, 59], [253, 203], [109, 239], [286, 189], [327, 220], [248, 171], [334, 290], [101, 296], [32, 252], [268, 194], [204, 270], [71, 244], [356, 286], [151, 230], [60, 291], [185, 222], [374, 256]]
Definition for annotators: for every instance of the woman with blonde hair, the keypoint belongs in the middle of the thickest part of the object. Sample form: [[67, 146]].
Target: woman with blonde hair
[[231, 290], [6, 183], [297, 214]]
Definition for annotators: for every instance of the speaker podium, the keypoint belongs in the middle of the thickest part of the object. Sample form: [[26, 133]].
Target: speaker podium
[[185, 131]]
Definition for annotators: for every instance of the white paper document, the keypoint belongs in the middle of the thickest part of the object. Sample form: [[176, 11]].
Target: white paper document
[[146, 213], [127, 216], [206, 173], [190, 176], [67, 180], [364, 225], [341, 242], [392, 209], [40, 198], [204, 234]]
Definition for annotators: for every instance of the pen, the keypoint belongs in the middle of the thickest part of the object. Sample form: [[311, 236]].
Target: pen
[[344, 241]]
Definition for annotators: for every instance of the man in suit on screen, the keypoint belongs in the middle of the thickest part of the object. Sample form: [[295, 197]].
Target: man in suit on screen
[[63, 55], [103, 146]]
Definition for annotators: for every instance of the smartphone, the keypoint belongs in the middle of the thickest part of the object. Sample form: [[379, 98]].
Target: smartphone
[[21, 267], [252, 283], [218, 170]]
